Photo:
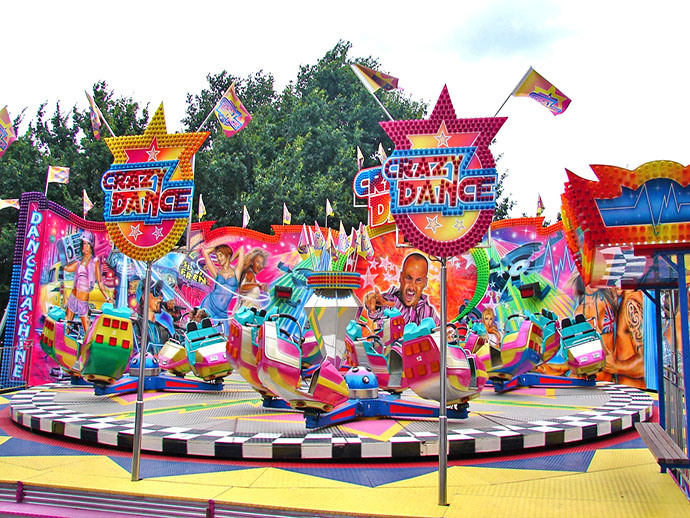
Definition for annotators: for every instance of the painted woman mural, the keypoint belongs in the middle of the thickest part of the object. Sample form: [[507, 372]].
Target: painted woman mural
[[225, 281], [87, 273], [250, 287]]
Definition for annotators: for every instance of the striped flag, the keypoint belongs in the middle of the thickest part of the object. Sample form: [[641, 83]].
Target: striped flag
[[87, 205], [202, 207], [533, 85], [373, 79], [329, 209], [95, 116], [360, 158], [57, 174], [9, 203], [245, 217], [287, 217], [231, 113], [7, 135]]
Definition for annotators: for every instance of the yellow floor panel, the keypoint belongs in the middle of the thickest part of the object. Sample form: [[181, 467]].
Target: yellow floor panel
[[69, 464], [146, 487], [473, 506], [391, 502], [621, 458], [223, 479], [633, 484], [474, 475], [274, 478], [13, 473], [4, 439]]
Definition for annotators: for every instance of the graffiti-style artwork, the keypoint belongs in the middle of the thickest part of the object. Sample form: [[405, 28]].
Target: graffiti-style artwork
[[523, 267]]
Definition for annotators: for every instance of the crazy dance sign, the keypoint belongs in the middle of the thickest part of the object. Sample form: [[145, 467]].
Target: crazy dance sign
[[442, 179], [149, 189]]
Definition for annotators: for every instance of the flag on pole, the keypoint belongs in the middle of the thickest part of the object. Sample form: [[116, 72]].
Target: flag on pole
[[57, 174], [533, 85], [287, 217], [360, 159], [95, 116], [342, 240], [381, 154], [231, 113], [364, 248], [202, 207], [245, 216], [303, 244], [7, 135], [540, 205], [87, 205], [9, 203], [373, 79], [318, 240], [329, 209]]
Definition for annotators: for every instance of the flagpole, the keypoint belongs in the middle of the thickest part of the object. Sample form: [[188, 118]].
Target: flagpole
[[390, 117], [45, 193], [191, 209], [102, 117], [514, 90]]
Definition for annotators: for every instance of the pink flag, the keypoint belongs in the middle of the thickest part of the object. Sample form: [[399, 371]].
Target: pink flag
[[7, 135], [86, 203], [94, 115]]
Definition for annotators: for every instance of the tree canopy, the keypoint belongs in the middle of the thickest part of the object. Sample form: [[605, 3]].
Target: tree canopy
[[299, 147]]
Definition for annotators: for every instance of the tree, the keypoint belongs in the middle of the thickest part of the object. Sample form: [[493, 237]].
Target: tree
[[298, 148]]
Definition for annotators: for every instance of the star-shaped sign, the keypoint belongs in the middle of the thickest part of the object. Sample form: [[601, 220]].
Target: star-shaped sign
[[149, 238], [428, 219]]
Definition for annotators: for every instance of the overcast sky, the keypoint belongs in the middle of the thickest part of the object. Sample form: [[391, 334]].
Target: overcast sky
[[623, 64]]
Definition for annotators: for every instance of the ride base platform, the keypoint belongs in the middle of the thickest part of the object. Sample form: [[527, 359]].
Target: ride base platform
[[232, 423]]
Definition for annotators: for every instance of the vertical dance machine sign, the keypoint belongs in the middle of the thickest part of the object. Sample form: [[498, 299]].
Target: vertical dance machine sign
[[442, 179], [149, 189]]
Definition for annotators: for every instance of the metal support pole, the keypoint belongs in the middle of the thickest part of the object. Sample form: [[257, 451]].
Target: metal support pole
[[660, 359], [191, 211], [685, 341], [143, 344], [442, 416]]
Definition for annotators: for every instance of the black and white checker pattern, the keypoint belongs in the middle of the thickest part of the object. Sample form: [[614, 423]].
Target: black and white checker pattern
[[36, 409]]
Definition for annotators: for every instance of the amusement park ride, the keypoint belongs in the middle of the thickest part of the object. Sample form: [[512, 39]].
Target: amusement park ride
[[293, 371], [319, 358]]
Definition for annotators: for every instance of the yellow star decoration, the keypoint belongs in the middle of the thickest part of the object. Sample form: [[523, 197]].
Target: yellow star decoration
[[176, 146]]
